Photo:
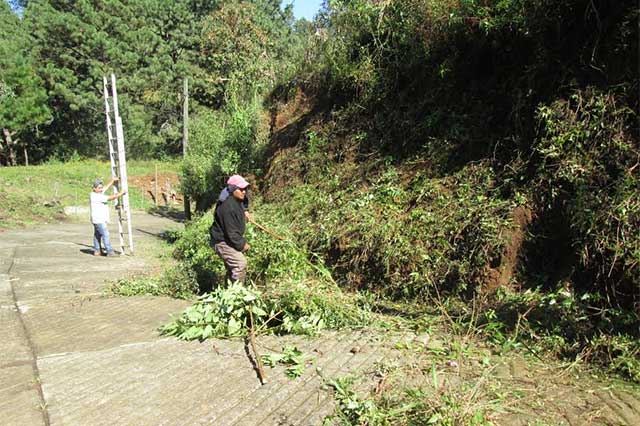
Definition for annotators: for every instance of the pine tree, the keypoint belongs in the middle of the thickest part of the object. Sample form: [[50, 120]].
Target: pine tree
[[22, 96]]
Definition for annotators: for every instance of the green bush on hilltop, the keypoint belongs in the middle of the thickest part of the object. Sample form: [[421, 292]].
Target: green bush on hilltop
[[220, 143]]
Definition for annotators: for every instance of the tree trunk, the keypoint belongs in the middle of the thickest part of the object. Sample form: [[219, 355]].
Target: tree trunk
[[10, 149], [26, 156]]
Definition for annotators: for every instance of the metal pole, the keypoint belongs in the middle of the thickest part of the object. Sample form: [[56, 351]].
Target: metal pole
[[155, 188], [185, 140], [168, 192]]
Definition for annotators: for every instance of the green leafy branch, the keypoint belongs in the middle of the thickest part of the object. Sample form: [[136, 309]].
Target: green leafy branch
[[291, 357]]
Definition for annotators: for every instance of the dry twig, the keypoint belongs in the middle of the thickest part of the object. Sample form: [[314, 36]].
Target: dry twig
[[252, 341]]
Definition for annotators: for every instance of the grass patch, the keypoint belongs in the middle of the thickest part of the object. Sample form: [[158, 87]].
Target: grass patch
[[37, 194], [19, 208], [421, 393], [174, 282]]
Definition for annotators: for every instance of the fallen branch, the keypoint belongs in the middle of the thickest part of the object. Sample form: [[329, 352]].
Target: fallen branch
[[252, 341], [274, 235]]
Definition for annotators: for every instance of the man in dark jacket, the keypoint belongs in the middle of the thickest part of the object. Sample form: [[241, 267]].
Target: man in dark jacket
[[227, 231]]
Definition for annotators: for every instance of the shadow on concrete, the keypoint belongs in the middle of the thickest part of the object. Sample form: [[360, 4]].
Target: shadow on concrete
[[87, 250], [167, 235], [167, 212]]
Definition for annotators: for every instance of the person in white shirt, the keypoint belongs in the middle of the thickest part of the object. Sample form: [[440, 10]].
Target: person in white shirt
[[100, 215]]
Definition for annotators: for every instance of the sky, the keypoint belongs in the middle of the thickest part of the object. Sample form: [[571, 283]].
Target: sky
[[304, 8], [15, 6], [301, 8]]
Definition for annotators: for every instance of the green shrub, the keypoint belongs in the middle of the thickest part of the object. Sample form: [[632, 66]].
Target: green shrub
[[221, 143], [176, 281], [587, 154]]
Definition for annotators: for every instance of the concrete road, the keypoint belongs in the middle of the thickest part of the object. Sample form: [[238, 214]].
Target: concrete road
[[71, 355]]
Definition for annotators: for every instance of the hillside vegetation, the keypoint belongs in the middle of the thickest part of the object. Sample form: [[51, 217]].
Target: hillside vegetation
[[442, 118], [473, 151], [472, 147]]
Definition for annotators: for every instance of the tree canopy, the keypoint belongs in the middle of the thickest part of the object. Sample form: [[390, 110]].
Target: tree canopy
[[22, 96], [226, 49]]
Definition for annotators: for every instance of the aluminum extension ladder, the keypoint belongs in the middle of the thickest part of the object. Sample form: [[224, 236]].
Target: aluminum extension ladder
[[118, 162]]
